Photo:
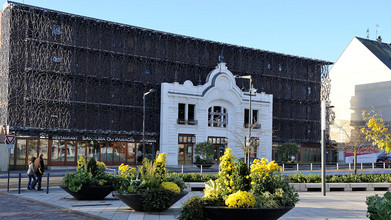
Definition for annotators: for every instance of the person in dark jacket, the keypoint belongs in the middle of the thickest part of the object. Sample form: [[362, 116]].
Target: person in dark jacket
[[39, 168]]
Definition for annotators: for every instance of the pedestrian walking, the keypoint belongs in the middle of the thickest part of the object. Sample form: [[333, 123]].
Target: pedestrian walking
[[39, 168], [30, 174]]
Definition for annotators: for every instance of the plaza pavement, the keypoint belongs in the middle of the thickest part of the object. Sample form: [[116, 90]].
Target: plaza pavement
[[312, 206]]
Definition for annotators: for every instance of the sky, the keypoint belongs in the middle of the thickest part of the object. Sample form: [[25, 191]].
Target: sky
[[317, 29]]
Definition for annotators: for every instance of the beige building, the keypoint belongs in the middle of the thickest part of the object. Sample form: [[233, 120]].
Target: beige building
[[360, 79]]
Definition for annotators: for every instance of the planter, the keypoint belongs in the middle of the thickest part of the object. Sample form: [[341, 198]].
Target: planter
[[90, 192], [136, 200], [204, 165], [225, 213]]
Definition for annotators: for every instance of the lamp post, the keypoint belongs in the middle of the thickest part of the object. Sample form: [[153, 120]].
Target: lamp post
[[249, 117], [145, 94], [323, 116]]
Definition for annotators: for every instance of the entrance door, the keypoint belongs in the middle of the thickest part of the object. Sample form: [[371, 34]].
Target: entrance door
[[220, 143], [185, 148]]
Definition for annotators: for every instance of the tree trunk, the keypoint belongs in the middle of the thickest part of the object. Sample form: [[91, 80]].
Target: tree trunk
[[355, 162]]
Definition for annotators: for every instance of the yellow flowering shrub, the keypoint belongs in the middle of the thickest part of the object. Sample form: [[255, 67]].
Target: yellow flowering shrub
[[171, 187], [101, 165], [225, 182], [126, 171], [160, 170], [264, 175], [240, 199], [81, 164]]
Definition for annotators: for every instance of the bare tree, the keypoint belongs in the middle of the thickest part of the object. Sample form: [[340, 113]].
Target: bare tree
[[351, 139], [240, 139]]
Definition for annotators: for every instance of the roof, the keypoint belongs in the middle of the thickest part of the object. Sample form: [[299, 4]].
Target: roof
[[381, 50], [321, 62]]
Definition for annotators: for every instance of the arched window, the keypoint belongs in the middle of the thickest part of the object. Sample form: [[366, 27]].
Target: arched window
[[217, 116]]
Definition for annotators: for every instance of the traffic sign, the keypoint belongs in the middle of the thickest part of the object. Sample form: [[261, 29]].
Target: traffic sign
[[9, 139]]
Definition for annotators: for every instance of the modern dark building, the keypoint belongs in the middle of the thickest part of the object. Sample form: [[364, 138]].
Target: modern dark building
[[72, 85]]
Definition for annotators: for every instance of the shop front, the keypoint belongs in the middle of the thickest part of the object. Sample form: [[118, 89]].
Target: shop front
[[65, 150]]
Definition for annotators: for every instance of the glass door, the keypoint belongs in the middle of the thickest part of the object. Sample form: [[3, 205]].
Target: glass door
[[185, 148]]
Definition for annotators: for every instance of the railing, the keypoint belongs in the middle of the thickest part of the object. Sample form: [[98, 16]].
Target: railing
[[334, 166], [187, 122]]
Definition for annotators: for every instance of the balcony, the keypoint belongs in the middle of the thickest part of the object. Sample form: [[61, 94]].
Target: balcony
[[255, 126], [187, 122]]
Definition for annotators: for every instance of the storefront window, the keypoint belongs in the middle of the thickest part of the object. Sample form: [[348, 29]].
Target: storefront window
[[21, 152], [131, 153], [43, 149], [32, 148], [81, 149], [71, 149], [93, 150], [58, 150]]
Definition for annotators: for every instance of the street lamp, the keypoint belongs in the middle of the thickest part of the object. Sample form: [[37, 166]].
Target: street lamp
[[323, 116], [145, 94], [249, 116]]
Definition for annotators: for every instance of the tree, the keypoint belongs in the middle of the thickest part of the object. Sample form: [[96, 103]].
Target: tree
[[204, 152], [240, 140], [287, 150], [376, 131], [354, 140]]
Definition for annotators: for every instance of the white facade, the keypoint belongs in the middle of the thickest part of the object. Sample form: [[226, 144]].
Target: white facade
[[219, 90], [360, 79]]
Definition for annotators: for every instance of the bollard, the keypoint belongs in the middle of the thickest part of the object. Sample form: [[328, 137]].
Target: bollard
[[47, 184], [283, 167], [20, 180], [311, 166], [373, 165], [350, 166], [384, 165], [361, 165], [297, 166], [201, 168], [337, 166], [8, 184], [182, 169]]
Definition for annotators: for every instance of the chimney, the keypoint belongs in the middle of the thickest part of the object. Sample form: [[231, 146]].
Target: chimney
[[379, 39]]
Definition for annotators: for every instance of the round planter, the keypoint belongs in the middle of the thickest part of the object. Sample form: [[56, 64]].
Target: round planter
[[90, 192], [204, 165], [136, 200], [225, 213]]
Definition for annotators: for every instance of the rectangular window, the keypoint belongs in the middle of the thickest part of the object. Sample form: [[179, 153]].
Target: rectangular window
[[246, 117], [190, 113], [254, 116], [181, 113]]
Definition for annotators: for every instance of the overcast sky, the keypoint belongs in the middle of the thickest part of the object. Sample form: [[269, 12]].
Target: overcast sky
[[308, 28]]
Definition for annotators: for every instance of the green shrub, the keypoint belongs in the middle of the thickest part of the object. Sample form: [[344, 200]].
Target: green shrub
[[157, 199], [177, 180], [195, 177], [350, 178], [379, 208], [193, 209], [92, 167], [74, 181], [241, 177]]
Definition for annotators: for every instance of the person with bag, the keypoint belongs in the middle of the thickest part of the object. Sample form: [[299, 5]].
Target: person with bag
[[30, 174], [39, 168]]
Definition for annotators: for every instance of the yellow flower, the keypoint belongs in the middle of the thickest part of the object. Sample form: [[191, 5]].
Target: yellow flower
[[240, 199], [171, 187]]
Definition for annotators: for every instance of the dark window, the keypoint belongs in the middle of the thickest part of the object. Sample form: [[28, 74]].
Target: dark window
[[181, 113], [190, 113]]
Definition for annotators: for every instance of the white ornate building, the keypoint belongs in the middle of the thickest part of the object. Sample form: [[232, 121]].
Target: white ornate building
[[216, 112]]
